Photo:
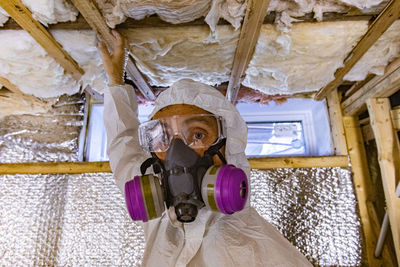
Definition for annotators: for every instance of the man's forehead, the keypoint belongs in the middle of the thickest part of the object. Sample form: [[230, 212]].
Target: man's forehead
[[179, 109]]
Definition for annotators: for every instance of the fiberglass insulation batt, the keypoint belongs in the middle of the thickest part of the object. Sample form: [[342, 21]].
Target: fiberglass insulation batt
[[26, 64], [301, 60]]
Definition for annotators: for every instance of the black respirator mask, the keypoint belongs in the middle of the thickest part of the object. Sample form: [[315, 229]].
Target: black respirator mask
[[188, 183]]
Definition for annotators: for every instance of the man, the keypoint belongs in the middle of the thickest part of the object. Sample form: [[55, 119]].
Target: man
[[213, 238]]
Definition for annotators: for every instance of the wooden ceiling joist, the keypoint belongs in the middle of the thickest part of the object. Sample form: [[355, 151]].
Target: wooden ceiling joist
[[28, 100], [154, 21], [94, 167], [94, 18], [379, 86], [376, 29], [22, 15], [389, 161], [249, 33]]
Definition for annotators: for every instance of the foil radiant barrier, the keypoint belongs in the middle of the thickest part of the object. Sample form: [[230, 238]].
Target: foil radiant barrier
[[80, 220], [43, 137]]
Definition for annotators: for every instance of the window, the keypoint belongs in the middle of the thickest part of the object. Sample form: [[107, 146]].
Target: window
[[275, 138], [294, 128], [298, 126]]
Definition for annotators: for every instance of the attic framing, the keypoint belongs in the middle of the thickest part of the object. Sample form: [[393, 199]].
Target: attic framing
[[347, 134], [23, 17]]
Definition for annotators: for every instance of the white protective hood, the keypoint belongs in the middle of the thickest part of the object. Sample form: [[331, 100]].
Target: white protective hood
[[189, 92]]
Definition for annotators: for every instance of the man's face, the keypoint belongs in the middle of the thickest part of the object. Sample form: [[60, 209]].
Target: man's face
[[205, 128]]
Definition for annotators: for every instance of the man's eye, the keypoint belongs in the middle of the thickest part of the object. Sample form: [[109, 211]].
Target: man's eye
[[199, 136]]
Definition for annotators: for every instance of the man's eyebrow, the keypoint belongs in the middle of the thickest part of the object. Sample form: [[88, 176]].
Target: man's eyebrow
[[207, 121]]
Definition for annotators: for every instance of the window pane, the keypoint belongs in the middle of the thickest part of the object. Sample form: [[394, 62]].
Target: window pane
[[275, 139]]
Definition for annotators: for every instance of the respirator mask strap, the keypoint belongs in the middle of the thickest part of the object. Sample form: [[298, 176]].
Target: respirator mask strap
[[214, 149], [153, 161]]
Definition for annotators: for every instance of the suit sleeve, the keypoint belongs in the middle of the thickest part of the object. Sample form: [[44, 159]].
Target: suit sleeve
[[121, 123]]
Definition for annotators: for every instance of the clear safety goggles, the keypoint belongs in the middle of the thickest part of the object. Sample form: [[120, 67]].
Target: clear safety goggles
[[196, 131]]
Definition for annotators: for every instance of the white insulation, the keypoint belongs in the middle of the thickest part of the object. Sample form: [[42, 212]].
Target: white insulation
[[26, 64], [289, 58]]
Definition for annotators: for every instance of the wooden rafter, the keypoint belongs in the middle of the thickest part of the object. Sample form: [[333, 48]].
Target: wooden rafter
[[92, 167], [389, 161], [249, 33], [154, 21], [362, 183], [379, 86], [336, 123], [90, 12], [377, 28], [22, 15], [14, 89]]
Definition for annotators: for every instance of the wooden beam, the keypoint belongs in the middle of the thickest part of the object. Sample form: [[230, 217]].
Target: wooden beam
[[368, 133], [28, 99], [298, 162], [54, 167], [10, 86], [387, 259], [249, 33], [376, 29], [22, 15], [155, 21], [92, 167], [389, 161], [90, 12], [336, 122], [362, 183], [380, 86]]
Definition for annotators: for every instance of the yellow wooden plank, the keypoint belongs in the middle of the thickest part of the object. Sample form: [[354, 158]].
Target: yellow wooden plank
[[250, 31], [10, 86], [54, 167], [88, 167], [389, 161], [336, 122], [388, 15], [362, 183], [22, 15], [90, 12], [298, 162], [31, 100], [380, 86], [396, 119], [387, 259]]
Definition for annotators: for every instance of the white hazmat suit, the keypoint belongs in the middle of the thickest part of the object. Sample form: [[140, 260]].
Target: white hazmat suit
[[213, 239]]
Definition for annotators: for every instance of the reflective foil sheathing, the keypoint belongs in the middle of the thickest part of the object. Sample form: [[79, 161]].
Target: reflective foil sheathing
[[52, 136], [76, 220], [80, 220], [315, 209]]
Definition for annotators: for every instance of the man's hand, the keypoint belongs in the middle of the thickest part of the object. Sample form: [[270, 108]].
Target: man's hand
[[114, 62]]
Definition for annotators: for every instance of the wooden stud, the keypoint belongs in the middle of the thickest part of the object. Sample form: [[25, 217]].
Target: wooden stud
[[92, 167], [379, 86], [367, 129], [387, 259], [336, 122], [298, 162], [362, 183], [54, 167], [90, 12], [250, 31], [396, 119], [389, 14], [22, 15], [389, 161]]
